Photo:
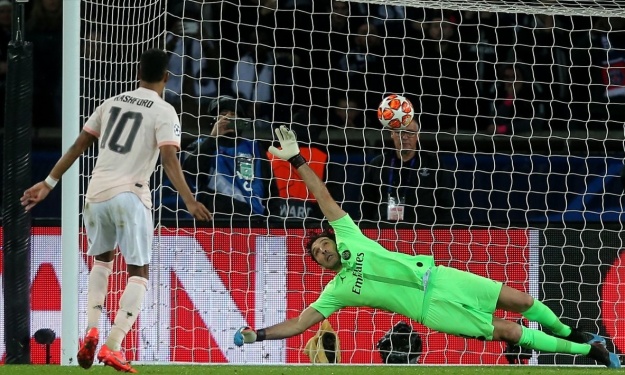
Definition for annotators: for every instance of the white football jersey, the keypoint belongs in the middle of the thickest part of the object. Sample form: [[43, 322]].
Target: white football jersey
[[130, 128]]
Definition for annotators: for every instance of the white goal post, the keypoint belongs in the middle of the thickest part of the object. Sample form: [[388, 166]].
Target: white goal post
[[535, 203]]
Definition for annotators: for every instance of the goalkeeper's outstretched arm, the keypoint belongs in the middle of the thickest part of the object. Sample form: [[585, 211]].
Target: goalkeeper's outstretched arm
[[290, 152], [286, 329], [327, 204]]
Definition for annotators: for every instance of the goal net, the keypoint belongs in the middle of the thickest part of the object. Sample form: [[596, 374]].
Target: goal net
[[520, 107]]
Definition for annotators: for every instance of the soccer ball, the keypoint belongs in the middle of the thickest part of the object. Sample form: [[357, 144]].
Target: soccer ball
[[395, 112]]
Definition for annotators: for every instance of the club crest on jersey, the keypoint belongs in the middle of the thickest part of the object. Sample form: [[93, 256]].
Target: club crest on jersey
[[346, 254], [177, 130]]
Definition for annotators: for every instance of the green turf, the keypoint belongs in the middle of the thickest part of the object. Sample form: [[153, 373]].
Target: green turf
[[310, 370]]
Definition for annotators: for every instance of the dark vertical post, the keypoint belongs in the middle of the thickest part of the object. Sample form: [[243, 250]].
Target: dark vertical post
[[17, 178]]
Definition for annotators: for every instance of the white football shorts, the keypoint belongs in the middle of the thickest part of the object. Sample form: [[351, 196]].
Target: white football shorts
[[122, 220]]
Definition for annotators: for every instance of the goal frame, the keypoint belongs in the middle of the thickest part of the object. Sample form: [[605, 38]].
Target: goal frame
[[70, 194], [70, 215]]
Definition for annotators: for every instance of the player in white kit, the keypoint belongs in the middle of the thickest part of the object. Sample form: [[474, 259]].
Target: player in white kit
[[131, 128]]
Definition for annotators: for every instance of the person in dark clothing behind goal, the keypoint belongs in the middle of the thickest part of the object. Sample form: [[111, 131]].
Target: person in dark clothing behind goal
[[407, 185], [232, 172]]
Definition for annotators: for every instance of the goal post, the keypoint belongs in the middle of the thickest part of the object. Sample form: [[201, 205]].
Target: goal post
[[70, 214], [534, 203], [601, 8]]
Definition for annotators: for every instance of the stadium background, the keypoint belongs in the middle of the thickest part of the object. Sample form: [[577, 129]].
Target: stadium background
[[568, 197], [560, 267]]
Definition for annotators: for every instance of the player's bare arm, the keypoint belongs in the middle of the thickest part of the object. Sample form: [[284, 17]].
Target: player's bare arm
[[286, 329], [40, 190], [290, 152], [174, 172]]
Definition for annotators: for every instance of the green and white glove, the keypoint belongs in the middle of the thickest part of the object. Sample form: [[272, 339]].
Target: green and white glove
[[290, 149]]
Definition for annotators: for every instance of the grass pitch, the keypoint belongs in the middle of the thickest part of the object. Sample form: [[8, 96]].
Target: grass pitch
[[308, 370]]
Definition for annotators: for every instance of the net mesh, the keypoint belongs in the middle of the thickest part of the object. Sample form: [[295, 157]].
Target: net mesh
[[113, 35], [520, 113], [607, 8]]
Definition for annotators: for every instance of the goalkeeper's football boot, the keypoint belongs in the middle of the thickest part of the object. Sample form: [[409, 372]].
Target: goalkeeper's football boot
[[600, 354], [115, 359], [582, 337], [86, 354]]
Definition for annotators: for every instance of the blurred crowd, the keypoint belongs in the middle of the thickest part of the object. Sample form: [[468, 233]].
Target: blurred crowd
[[43, 28], [328, 63], [325, 65]]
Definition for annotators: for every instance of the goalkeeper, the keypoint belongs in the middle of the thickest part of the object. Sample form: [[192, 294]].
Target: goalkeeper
[[441, 298]]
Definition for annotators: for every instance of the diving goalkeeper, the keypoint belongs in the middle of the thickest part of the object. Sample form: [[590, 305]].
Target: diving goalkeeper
[[441, 298]]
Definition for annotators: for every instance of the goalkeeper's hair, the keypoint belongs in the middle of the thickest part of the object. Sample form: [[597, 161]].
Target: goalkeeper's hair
[[314, 237], [153, 65]]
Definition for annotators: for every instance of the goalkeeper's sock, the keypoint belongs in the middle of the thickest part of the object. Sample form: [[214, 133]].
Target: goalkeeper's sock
[[538, 340], [96, 291], [542, 314], [129, 306]]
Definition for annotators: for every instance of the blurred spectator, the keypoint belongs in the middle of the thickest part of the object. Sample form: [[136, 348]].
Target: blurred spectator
[[306, 124], [253, 75], [92, 47], [609, 41], [236, 20], [44, 30], [485, 40], [263, 76], [415, 18], [543, 47], [517, 110], [438, 77], [406, 184], [391, 18], [210, 19], [346, 112], [345, 121], [363, 65], [293, 19], [233, 176], [95, 65], [580, 71], [333, 26], [193, 61], [6, 19]]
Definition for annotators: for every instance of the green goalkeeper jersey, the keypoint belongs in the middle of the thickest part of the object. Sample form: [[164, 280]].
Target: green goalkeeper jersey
[[372, 276]]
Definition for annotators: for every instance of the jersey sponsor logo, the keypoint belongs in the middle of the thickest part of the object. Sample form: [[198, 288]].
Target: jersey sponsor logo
[[357, 272]]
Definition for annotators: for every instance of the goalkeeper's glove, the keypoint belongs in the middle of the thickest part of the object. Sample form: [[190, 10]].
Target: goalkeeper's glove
[[289, 150], [245, 335]]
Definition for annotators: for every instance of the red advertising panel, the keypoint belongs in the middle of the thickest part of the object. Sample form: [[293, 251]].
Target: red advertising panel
[[206, 283]]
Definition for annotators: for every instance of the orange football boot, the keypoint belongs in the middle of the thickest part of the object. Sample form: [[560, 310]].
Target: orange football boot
[[86, 354], [115, 359]]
